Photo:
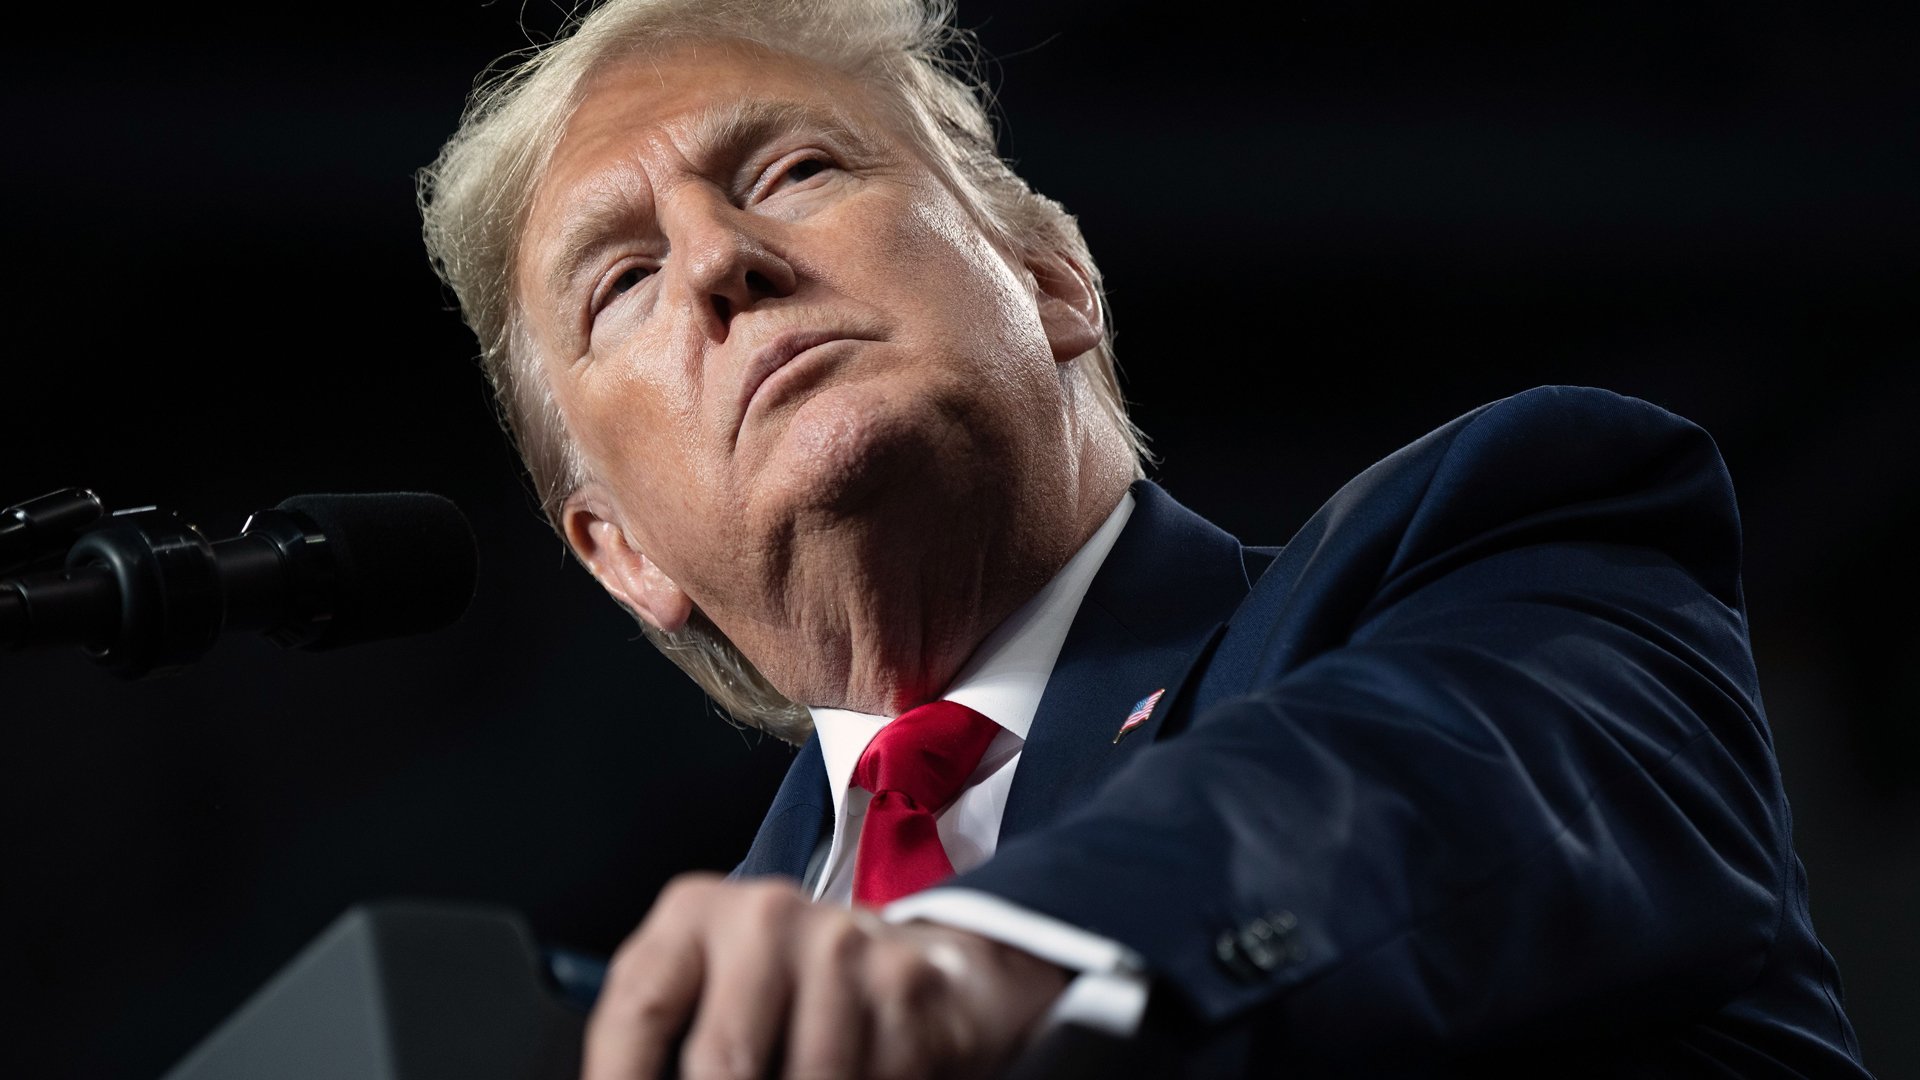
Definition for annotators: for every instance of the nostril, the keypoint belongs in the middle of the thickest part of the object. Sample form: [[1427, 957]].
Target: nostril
[[722, 308], [758, 284]]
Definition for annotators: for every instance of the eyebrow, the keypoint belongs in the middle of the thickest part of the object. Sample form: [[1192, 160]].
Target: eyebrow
[[715, 139]]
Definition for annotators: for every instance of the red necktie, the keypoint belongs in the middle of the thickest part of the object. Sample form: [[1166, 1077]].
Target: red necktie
[[915, 766]]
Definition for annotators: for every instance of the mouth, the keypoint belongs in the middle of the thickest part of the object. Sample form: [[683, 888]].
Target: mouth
[[759, 380]]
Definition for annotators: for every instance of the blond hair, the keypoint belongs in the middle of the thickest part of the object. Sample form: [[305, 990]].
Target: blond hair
[[475, 197]]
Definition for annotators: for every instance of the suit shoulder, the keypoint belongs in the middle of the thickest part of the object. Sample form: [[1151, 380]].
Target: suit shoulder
[[1545, 446], [1557, 425], [1552, 464]]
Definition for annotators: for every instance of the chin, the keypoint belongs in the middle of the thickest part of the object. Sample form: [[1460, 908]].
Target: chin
[[853, 454]]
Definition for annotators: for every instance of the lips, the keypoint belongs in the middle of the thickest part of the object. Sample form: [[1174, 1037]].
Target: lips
[[777, 354]]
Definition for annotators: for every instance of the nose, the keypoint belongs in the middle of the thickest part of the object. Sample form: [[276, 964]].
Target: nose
[[728, 264]]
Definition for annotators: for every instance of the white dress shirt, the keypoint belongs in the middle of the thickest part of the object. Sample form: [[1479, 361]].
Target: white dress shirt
[[1003, 681]]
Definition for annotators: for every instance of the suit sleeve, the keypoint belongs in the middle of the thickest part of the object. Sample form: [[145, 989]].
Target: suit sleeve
[[1481, 759]]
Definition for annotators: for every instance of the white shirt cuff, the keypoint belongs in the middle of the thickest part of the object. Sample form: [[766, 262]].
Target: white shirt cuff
[[1110, 993]]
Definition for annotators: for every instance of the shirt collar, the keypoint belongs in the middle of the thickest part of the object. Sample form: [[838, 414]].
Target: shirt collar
[[1007, 674]]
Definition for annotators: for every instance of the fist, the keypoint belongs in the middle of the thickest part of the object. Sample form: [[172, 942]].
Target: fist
[[762, 982]]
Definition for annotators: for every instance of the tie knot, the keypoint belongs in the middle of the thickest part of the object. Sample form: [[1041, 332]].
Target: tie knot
[[926, 753]]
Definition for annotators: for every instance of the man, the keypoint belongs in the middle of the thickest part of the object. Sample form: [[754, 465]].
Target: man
[[1472, 775]]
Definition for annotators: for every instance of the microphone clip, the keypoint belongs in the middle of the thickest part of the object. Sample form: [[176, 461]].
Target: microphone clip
[[143, 592], [140, 593], [37, 531]]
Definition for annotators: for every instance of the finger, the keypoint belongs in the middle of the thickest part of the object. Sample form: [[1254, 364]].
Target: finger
[[749, 936], [648, 999], [650, 992], [828, 1034]]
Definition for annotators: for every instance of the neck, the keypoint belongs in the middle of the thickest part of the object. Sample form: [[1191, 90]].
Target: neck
[[883, 610]]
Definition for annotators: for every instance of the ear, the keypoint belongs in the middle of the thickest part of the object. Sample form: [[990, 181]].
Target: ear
[[1069, 305], [596, 537]]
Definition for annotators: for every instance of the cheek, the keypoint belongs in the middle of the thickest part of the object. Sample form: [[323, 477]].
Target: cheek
[[966, 317], [919, 249], [627, 423], [988, 309], [983, 297]]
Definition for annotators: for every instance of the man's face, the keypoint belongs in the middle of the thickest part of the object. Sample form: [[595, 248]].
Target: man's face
[[769, 327]]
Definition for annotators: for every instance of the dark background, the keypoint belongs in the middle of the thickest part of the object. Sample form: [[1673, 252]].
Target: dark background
[[1325, 232]]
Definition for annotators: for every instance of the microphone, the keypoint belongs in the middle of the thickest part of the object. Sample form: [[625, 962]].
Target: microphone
[[146, 592]]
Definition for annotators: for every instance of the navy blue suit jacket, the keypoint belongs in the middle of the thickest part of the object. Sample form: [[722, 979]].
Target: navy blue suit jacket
[[1471, 776]]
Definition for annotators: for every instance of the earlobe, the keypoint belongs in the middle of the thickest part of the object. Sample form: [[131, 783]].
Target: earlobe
[[622, 569], [1069, 305]]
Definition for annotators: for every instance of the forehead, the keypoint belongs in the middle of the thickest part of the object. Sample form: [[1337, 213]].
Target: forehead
[[680, 81], [688, 97], [683, 106]]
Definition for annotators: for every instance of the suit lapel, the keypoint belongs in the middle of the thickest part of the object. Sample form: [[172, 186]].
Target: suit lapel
[[799, 817], [1149, 618]]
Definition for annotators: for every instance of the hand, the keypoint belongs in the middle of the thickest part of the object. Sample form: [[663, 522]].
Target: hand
[[773, 984]]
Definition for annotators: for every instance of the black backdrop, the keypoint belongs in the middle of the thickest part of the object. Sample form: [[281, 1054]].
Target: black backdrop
[[1324, 231]]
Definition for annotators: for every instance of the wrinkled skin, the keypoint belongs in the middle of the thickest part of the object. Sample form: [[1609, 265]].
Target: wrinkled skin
[[821, 406]]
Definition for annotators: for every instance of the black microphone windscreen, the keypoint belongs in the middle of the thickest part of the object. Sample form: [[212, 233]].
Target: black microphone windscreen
[[406, 563]]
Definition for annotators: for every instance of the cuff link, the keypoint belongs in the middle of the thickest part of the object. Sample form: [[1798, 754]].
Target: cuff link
[[1259, 948]]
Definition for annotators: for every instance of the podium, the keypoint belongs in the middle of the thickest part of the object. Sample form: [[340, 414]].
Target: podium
[[404, 990], [412, 990]]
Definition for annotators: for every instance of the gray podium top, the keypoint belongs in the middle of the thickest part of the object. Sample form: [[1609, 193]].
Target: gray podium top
[[401, 990]]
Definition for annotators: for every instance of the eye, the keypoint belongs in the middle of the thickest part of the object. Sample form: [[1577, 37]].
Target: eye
[[793, 170], [625, 279], [805, 170]]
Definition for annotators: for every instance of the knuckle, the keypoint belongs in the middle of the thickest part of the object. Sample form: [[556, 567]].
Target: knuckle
[[640, 1005], [633, 993], [767, 903], [627, 961], [688, 888]]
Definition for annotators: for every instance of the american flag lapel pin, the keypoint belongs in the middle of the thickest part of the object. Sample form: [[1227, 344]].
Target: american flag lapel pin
[[1141, 710]]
